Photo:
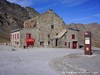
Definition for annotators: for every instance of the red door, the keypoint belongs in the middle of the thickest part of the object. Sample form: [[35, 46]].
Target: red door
[[75, 45]]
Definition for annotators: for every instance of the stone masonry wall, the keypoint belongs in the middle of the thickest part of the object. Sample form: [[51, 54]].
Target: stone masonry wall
[[41, 27], [44, 23], [34, 35]]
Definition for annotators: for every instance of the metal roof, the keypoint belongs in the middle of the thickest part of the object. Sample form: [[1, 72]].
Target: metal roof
[[73, 29], [61, 33], [15, 30]]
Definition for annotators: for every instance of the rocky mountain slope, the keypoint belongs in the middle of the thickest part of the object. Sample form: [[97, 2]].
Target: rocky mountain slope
[[93, 27], [12, 16]]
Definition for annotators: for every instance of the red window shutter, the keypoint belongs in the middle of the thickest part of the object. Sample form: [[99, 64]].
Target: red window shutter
[[65, 43], [73, 36]]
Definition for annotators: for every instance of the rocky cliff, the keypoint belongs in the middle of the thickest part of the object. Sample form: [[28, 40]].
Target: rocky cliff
[[12, 16], [93, 27]]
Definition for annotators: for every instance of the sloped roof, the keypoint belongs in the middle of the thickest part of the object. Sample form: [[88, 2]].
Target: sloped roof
[[15, 30], [73, 29], [61, 33]]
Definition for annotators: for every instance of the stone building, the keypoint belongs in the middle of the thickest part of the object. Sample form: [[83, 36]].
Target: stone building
[[49, 30]]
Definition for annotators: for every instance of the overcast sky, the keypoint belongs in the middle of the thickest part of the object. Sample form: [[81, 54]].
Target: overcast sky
[[72, 11]]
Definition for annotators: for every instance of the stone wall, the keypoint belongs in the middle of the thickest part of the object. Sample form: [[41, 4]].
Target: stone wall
[[45, 27], [69, 37], [30, 23], [49, 25], [34, 33]]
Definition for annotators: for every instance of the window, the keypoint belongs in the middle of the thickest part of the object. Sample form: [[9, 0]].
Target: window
[[56, 33], [17, 36], [48, 36], [65, 43], [48, 42], [52, 26], [28, 35], [73, 36], [17, 43], [13, 36], [41, 43]]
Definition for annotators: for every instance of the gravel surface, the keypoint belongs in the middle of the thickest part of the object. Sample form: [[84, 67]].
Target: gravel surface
[[33, 61], [77, 64], [48, 61]]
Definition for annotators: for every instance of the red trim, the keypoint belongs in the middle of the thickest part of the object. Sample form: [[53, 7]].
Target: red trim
[[75, 45], [65, 43], [73, 36], [17, 36]]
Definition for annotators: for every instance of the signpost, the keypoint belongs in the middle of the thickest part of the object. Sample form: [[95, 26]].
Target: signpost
[[87, 43]]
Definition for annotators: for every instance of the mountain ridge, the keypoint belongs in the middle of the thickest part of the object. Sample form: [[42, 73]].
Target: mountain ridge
[[12, 16]]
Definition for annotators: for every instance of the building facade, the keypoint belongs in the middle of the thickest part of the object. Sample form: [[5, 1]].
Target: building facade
[[15, 38], [48, 30]]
